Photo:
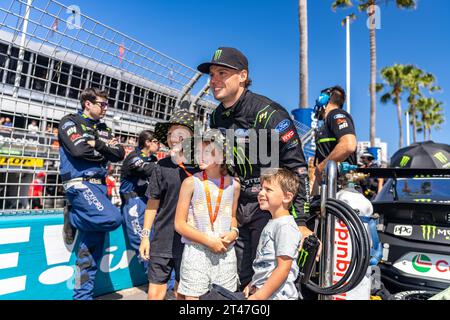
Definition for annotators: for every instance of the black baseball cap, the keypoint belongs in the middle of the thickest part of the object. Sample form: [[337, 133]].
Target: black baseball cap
[[226, 57]]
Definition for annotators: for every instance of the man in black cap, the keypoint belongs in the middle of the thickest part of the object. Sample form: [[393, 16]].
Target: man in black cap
[[244, 111]]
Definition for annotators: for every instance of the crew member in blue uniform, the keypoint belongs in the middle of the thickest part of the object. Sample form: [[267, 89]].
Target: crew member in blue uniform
[[137, 169], [87, 146]]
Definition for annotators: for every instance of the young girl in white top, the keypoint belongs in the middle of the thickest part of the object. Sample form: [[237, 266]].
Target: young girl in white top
[[206, 219]]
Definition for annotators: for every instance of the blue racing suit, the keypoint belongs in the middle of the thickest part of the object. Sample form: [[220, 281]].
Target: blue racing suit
[[136, 171], [83, 172]]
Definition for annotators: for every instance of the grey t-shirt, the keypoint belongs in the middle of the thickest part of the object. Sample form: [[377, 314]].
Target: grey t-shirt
[[280, 237]]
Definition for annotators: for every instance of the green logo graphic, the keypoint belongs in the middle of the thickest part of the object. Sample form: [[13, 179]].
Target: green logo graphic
[[428, 231], [421, 263], [303, 255], [217, 55], [404, 161], [441, 157]]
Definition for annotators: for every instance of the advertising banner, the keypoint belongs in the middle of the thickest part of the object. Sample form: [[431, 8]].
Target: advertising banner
[[35, 263]]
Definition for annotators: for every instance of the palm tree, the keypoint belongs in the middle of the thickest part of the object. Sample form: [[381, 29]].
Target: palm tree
[[432, 116], [418, 79], [364, 5], [395, 79], [303, 25]]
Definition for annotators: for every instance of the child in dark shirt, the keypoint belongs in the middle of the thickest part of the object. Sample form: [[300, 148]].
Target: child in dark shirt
[[165, 249]]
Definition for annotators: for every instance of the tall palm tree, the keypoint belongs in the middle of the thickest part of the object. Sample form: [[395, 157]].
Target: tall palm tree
[[364, 5], [395, 80], [303, 25], [417, 80], [432, 116]]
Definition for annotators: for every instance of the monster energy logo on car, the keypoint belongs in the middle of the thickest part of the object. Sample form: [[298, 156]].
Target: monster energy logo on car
[[217, 55], [404, 161], [302, 257], [427, 231]]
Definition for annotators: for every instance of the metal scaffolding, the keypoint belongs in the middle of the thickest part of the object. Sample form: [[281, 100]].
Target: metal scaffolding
[[49, 53]]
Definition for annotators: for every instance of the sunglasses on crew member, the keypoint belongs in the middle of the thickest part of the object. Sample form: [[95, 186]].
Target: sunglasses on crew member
[[102, 104]]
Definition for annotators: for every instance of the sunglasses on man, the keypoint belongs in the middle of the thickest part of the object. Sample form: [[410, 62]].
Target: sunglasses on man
[[102, 104]]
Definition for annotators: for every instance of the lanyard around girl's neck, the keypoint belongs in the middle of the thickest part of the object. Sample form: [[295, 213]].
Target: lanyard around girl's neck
[[213, 216], [181, 165]]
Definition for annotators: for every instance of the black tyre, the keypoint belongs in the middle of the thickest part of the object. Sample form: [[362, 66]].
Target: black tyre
[[413, 295]]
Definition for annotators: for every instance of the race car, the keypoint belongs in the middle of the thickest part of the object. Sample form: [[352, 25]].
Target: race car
[[414, 229]]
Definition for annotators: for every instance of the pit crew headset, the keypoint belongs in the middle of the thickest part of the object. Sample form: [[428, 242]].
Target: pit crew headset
[[322, 102]]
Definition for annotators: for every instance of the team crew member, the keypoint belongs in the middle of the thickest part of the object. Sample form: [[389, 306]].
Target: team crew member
[[87, 145], [336, 138], [164, 251], [244, 111], [137, 169], [370, 187]]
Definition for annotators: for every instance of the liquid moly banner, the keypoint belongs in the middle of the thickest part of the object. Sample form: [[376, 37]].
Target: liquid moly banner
[[35, 263]]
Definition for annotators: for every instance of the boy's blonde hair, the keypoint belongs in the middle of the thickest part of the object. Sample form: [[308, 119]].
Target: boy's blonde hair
[[287, 180]]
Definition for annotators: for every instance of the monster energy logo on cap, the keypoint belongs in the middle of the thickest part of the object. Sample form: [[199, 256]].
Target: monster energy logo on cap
[[404, 161], [427, 231], [217, 55]]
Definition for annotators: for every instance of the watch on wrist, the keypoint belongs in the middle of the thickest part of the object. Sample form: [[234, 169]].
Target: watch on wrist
[[236, 230], [145, 233]]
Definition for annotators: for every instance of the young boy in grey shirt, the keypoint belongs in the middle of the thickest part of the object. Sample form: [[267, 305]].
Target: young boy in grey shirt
[[274, 266]]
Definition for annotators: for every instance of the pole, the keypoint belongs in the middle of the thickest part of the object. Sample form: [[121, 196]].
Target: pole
[[329, 189], [22, 50], [347, 24], [407, 129]]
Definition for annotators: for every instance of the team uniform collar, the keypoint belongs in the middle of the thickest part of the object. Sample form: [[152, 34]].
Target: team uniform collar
[[237, 106], [84, 116]]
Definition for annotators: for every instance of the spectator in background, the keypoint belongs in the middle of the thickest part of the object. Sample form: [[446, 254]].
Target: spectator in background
[[36, 191], [2, 121], [8, 122], [6, 125], [111, 184], [49, 128], [33, 127], [55, 142]]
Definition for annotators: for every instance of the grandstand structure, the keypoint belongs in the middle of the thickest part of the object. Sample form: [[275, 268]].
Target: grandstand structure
[[49, 53]]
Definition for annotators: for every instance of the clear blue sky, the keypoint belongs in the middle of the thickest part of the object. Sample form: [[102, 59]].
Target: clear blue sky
[[267, 32]]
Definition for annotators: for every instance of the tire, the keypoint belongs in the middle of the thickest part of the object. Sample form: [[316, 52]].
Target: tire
[[413, 295]]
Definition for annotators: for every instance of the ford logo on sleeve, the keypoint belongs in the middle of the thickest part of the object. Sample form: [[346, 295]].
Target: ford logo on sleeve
[[282, 126]]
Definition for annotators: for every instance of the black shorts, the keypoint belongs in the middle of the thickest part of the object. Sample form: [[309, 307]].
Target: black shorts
[[160, 269]]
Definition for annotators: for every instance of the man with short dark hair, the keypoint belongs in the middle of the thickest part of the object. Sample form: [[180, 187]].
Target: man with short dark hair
[[87, 146], [137, 168], [336, 138], [246, 113]]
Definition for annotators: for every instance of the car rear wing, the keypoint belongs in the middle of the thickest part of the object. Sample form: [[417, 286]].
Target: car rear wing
[[405, 172], [395, 173]]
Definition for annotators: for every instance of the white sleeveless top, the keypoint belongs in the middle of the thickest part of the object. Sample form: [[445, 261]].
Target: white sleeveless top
[[198, 216]]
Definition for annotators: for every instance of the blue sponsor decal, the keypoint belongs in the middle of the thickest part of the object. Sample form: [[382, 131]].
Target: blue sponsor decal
[[282, 126], [67, 124]]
